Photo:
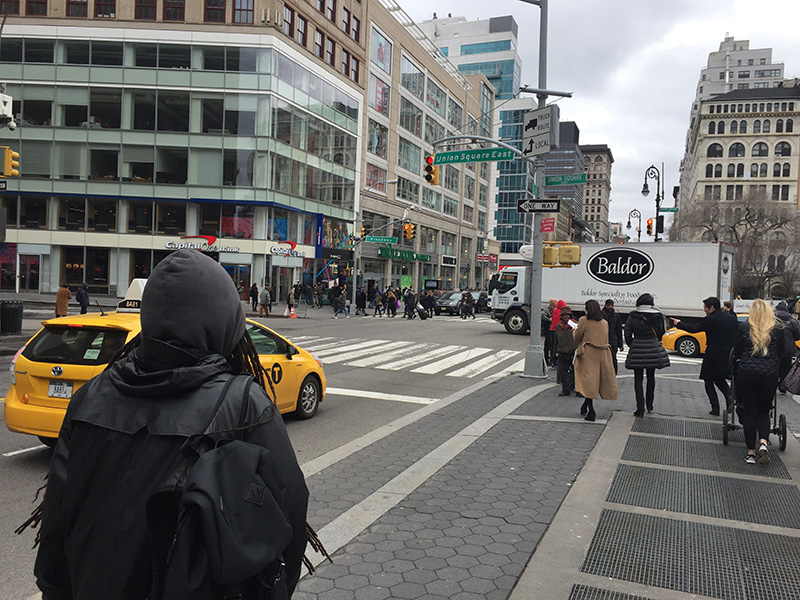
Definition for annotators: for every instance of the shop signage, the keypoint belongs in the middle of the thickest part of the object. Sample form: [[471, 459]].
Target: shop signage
[[204, 243], [396, 254], [289, 249], [620, 266], [449, 261], [337, 254], [482, 258], [493, 259]]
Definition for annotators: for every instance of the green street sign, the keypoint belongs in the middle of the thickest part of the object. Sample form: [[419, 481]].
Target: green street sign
[[380, 240], [535, 191], [467, 156], [570, 179], [672, 209]]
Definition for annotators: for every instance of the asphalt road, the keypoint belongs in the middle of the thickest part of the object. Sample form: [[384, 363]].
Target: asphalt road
[[375, 375]]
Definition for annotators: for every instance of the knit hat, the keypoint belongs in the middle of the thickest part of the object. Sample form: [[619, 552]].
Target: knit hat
[[644, 299]]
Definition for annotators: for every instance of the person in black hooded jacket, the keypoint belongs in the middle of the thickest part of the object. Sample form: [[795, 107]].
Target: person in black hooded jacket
[[644, 329], [791, 333], [121, 438]]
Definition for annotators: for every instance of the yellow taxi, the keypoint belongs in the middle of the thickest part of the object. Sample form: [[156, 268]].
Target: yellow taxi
[[68, 352], [691, 345]]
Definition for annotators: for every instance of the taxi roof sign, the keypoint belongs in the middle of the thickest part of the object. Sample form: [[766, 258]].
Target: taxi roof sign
[[133, 297]]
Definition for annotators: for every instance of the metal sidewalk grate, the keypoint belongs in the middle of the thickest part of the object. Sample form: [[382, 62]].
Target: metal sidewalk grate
[[695, 558], [585, 592], [707, 495], [699, 455], [702, 430]]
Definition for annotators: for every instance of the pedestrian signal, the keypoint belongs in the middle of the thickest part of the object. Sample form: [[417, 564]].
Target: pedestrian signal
[[431, 171], [649, 226]]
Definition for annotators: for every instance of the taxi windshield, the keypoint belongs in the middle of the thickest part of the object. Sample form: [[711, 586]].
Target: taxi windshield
[[75, 345]]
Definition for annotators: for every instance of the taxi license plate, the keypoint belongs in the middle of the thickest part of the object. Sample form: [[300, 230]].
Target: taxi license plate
[[60, 389]]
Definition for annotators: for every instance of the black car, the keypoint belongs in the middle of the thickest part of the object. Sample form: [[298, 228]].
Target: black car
[[448, 302]]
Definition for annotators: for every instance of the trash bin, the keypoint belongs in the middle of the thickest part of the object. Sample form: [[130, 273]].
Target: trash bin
[[11, 316]]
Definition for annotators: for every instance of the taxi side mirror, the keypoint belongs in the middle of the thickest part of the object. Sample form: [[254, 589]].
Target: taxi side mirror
[[291, 351]]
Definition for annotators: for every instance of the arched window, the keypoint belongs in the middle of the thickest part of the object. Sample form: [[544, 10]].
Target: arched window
[[754, 170], [736, 150], [709, 170], [734, 127], [732, 170], [756, 126], [712, 128], [779, 126], [721, 127], [789, 126], [761, 149], [718, 171], [740, 170], [742, 126], [781, 263], [765, 127], [763, 171], [776, 170], [782, 149], [786, 170], [771, 263], [714, 151], [598, 159]]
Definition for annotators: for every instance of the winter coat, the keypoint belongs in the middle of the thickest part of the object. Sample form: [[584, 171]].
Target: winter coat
[[644, 329], [361, 299], [121, 438], [265, 297], [83, 296], [614, 328], [765, 367], [721, 329], [290, 298], [565, 340], [557, 314], [63, 296], [790, 327], [254, 292], [594, 369]]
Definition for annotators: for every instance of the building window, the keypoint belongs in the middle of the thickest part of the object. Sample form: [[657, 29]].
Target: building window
[[215, 11], [355, 29], [11, 7], [760, 149], [301, 31], [37, 8], [105, 8], [721, 127], [779, 126], [288, 21], [330, 10], [410, 116], [243, 11], [174, 10], [355, 68], [146, 10], [346, 21], [381, 51], [378, 97], [714, 151], [757, 127], [734, 127], [330, 52], [409, 156], [345, 63], [319, 43], [76, 8], [782, 149]]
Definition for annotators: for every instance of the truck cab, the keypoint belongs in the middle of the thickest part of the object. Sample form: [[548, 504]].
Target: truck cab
[[510, 304]]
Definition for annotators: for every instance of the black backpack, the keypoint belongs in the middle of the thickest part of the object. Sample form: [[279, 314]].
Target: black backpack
[[220, 533]]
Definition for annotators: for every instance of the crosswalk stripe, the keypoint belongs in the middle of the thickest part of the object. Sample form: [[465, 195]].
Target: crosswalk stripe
[[386, 356], [324, 343], [479, 366], [451, 361], [348, 346], [339, 358], [517, 366], [302, 338], [418, 359]]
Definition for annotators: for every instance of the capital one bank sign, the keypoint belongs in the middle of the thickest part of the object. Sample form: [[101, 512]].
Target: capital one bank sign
[[620, 266]]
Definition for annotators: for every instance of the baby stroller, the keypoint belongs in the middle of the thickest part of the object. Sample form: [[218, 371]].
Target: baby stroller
[[729, 420]]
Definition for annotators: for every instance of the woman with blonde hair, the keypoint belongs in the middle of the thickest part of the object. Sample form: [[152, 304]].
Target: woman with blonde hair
[[757, 354]]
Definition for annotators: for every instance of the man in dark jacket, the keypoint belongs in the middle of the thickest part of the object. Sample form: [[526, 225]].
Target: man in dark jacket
[[83, 297], [720, 328], [614, 331], [791, 333], [121, 440]]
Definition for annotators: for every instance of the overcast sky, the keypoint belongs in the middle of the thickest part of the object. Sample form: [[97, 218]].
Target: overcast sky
[[633, 67]]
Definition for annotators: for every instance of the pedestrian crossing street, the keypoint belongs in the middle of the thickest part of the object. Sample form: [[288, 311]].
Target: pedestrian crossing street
[[448, 360]]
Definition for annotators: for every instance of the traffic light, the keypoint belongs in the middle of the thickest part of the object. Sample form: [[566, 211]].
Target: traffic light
[[649, 226], [407, 231], [660, 224], [569, 254], [431, 171], [412, 230], [362, 232], [10, 162]]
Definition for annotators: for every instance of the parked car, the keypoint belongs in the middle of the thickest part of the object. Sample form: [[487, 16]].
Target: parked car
[[67, 352], [448, 302]]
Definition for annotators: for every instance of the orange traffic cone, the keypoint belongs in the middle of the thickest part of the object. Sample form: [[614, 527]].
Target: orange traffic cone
[[292, 314]]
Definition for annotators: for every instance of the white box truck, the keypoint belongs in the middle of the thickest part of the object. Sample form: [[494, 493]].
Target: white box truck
[[678, 275]]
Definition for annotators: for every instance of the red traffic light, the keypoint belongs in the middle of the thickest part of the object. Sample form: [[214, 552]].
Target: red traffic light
[[429, 159], [649, 222]]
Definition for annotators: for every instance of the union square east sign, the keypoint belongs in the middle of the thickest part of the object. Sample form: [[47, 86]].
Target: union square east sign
[[408, 255]]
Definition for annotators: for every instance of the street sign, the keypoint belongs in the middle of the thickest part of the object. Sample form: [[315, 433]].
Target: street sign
[[380, 240], [529, 205], [540, 131], [570, 179], [548, 224], [3, 185], [478, 155], [672, 209]]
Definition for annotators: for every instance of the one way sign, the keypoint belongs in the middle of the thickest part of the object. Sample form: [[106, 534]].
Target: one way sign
[[530, 205], [540, 131]]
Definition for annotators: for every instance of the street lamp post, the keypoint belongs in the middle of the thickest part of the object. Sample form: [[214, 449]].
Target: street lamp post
[[653, 173], [357, 245], [635, 214]]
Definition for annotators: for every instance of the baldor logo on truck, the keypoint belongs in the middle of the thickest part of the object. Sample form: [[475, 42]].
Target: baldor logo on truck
[[620, 266]]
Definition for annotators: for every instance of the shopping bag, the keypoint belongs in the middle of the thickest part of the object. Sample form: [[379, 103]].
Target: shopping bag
[[286, 312], [792, 380]]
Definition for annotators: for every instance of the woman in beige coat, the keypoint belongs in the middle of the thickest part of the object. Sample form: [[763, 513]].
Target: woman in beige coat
[[594, 367]]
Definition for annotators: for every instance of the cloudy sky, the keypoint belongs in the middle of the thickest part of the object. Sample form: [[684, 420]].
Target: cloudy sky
[[633, 67]]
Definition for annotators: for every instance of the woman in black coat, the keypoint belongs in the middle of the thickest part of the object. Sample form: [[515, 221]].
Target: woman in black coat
[[757, 354], [643, 331]]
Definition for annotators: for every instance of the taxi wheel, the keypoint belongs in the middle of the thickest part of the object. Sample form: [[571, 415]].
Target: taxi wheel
[[688, 347], [48, 441], [308, 398]]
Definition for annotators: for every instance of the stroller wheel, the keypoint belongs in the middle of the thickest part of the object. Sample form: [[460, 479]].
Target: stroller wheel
[[782, 432]]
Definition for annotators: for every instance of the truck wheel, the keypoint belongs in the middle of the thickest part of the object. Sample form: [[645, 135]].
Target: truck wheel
[[516, 322], [688, 347]]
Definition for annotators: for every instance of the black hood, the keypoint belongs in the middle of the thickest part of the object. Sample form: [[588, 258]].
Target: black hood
[[190, 310]]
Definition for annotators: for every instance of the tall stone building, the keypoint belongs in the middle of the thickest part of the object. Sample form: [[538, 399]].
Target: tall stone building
[[597, 191]]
